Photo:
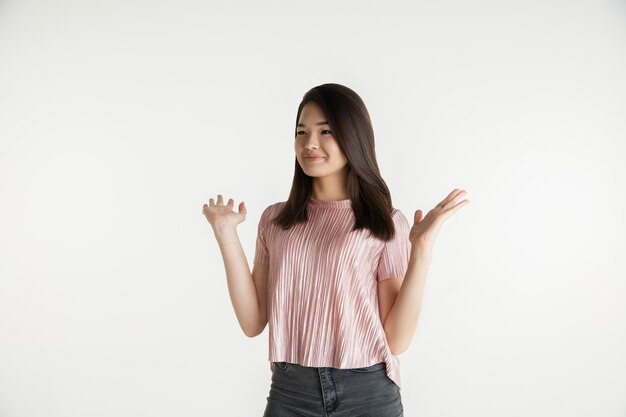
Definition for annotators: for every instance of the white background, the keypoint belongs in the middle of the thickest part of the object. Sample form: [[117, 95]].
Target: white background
[[120, 119]]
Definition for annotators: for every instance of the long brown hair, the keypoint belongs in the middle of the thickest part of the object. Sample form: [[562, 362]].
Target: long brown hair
[[351, 125]]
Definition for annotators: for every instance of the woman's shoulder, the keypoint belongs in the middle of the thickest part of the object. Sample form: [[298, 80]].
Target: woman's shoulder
[[399, 219], [275, 206], [395, 213], [271, 210]]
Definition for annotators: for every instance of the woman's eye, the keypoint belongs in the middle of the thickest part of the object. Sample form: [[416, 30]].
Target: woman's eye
[[303, 132]]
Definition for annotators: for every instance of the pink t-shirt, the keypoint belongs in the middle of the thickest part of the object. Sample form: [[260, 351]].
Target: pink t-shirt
[[322, 299]]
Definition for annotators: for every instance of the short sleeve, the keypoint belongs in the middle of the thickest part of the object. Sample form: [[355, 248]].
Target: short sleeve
[[261, 254], [394, 259]]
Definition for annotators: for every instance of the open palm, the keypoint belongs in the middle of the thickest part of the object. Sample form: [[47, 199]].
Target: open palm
[[425, 230], [221, 215]]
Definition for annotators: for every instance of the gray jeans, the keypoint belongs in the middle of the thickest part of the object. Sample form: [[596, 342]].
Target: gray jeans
[[304, 391]]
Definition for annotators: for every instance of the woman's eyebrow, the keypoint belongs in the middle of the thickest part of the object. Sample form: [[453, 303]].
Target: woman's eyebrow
[[323, 122]]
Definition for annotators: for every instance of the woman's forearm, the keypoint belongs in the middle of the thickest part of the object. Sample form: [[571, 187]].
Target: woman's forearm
[[401, 322], [241, 287]]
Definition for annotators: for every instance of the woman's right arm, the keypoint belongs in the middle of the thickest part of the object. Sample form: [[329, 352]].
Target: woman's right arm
[[247, 290]]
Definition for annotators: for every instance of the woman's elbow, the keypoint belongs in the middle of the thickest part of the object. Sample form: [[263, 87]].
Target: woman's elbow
[[254, 331], [397, 350]]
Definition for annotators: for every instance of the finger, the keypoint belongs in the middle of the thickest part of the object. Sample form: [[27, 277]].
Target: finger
[[457, 197], [231, 202], [211, 202], [453, 209], [220, 200], [242, 208], [452, 200], [418, 216], [461, 204], [445, 200]]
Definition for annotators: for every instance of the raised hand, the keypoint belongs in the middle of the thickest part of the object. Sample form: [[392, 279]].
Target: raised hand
[[424, 231], [221, 216]]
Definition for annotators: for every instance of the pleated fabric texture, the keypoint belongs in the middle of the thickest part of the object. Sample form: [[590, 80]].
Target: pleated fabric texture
[[322, 299]]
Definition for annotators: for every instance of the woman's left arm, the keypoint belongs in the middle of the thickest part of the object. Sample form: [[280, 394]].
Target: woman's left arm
[[401, 322]]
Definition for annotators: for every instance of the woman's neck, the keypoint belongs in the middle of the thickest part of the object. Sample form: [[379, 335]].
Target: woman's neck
[[331, 188], [331, 195]]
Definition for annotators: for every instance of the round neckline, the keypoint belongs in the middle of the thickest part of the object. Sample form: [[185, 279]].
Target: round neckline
[[347, 203]]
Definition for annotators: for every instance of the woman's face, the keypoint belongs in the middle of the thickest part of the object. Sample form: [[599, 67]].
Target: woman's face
[[314, 137]]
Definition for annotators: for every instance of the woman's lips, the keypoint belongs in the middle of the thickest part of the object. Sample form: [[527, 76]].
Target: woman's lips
[[313, 159]]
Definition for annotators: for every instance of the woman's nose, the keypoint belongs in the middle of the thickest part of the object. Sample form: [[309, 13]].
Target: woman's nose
[[311, 142]]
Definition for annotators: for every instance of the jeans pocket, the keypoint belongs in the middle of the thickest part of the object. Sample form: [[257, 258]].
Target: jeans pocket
[[372, 368]]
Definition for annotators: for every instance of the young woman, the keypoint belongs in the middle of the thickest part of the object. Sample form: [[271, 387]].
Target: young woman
[[338, 273]]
